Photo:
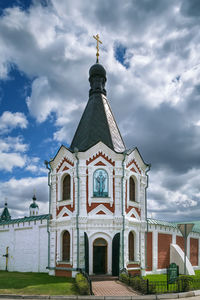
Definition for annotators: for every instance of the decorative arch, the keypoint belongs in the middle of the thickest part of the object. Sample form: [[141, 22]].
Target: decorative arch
[[131, 246], [108, 238], [132, 189], [100, 183], [66, 187], [66, 246]]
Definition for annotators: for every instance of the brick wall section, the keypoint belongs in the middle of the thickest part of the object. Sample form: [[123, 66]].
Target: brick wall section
[[194, 249], [180, 242], [149, 251], [134, 272], [164, 241], [64, 273]]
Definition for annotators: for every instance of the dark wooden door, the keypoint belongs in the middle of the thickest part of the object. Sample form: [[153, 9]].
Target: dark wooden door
[[115, 254], [86, 253], [99, 259]]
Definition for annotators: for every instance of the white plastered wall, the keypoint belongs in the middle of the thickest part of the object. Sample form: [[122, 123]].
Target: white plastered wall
[[28, 246]]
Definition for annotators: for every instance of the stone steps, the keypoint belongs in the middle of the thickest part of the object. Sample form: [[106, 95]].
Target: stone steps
[[103, 278]]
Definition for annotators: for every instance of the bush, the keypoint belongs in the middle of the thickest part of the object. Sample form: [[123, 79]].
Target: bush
[[185, 283], [124, 278], [82, 284], [137, 283]]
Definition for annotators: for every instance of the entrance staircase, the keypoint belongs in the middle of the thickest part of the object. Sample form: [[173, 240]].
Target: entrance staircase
[[103, 277]]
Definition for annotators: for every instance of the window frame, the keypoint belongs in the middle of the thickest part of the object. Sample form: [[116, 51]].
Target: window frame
[[67, 175], [99, 196], [68, 242], [131, 247]]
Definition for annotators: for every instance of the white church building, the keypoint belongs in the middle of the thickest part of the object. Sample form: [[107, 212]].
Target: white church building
[[97, 218]]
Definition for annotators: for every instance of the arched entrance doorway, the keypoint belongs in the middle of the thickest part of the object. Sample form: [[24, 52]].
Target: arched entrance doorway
[[100, 256]]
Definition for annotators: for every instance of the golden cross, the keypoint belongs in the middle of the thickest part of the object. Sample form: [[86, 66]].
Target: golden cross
[[98, 41]]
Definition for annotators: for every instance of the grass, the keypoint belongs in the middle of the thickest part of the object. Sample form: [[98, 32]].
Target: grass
[[163, 277], [156, 277], [36, 284]]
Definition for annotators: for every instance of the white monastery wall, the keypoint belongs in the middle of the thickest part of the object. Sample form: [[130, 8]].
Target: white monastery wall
[[28, 246]]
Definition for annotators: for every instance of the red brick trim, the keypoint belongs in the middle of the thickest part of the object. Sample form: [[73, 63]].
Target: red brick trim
[[135, 272], [133, 170], [133, 265], [133, 162], [101, 212], [64, 273], [94, 205], [100, 163], [64, 160], [91, 159], [65, 168]]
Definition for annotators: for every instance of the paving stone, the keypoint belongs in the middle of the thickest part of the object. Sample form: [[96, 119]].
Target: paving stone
[[11, 296], [186, 294], [197, 293], [144, 297], [168, 296], [63, 297], [111, 288], [118, 297]]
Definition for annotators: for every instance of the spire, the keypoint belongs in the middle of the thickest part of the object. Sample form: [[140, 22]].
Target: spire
[[97, 122], [5, 216]]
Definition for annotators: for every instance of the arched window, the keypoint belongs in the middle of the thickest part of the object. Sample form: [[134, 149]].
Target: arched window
[[100, 186], [66, 246], [131, 189], [131, 246], [66, 187]]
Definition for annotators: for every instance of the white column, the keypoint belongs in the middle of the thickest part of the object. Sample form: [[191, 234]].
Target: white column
[[155, 250]]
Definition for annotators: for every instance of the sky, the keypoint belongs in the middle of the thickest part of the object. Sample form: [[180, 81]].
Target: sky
[[151, 52]]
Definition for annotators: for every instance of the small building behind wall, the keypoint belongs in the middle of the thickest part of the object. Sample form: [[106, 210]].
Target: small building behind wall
[[159, 238]]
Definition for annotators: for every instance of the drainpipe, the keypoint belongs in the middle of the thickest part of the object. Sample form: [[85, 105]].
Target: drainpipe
[[49, 184], [78, 200], [146, 171], [122, 204]]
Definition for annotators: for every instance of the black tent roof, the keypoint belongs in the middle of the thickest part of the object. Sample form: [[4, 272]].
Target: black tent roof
[[97, 122]]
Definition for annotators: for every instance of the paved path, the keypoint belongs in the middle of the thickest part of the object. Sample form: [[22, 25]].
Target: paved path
[[111, 288]]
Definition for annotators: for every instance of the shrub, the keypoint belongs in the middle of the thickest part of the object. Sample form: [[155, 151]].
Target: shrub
[[82, 284], [185, 283], [124, 278], [136, 282]]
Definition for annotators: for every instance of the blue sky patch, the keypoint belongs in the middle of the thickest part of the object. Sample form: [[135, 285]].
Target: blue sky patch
[[120, 55]]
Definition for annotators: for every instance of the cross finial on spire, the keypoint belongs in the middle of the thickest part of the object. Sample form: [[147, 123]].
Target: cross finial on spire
[[98, 41]]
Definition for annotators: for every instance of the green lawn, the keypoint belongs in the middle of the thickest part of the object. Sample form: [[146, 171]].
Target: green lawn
[[163, 277], [36, 284], [156, 277]]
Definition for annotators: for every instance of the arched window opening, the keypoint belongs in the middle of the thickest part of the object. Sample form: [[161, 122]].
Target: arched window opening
[[66, 187], [131, 246], [100, 242], [66, 246], [100, 187], [131, 189]]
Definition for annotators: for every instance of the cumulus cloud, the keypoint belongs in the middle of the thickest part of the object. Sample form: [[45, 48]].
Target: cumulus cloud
[[10, 160], [19, 193], [9, 121]]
